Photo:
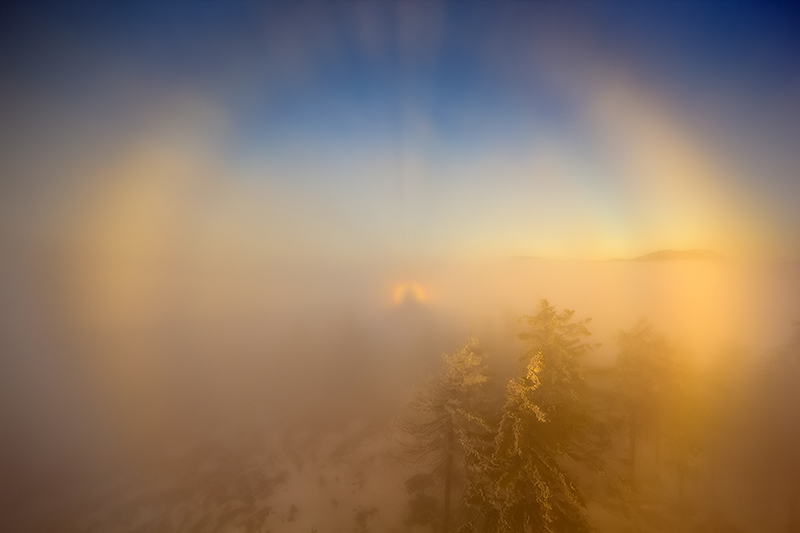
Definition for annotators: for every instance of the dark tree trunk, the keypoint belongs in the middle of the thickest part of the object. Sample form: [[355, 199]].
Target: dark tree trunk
[[448, 478]]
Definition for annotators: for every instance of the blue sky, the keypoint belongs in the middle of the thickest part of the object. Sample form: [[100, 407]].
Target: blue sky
[[363, 131]]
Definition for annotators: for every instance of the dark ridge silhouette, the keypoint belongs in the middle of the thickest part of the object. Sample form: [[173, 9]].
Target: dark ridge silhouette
[[672, 255]]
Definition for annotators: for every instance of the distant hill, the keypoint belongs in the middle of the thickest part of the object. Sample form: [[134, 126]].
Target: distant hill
[[671, 255]]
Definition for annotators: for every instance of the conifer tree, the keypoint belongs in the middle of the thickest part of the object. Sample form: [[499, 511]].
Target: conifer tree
[[445, 416], [644, 378], [773, 426], [528, 481]]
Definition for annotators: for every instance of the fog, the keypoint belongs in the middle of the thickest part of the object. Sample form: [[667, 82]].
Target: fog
[[399, 267], [302, 370]]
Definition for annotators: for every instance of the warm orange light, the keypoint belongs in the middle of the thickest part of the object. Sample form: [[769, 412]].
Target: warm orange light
[[409, 290]]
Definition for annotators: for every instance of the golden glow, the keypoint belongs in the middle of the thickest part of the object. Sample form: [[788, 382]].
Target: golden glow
[[409, 290], [677, 185]]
